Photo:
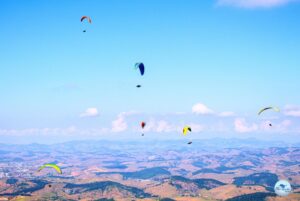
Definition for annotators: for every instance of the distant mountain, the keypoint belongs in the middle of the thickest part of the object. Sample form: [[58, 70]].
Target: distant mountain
[[115, 165], [222, 169], [147, 173], [11, 181], [260, 196], [105, 186], [200, 183], [289, 163], [113, 147], [208, 183], [265, 179], [199, 164], [25, 189]]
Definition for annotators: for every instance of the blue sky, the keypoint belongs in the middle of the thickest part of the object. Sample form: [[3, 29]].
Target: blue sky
[[226, 55]]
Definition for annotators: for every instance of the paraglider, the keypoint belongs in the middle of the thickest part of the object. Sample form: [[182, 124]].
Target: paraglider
[[86, 18], [51, 165], [140, 67], [143, 124], [186, 129], [276, 109], [83, 18]]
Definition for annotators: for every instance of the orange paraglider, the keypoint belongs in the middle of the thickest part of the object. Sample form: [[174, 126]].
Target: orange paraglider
[[87, 18]]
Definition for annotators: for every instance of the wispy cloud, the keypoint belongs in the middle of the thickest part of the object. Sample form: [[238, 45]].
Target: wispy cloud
[[226, 114], [254, 3], [292, 110], [200, 108], [242, 126], [90, 112]]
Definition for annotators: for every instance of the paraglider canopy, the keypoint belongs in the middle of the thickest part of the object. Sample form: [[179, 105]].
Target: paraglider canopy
[[141, 67], [143, 124], [186, 129], [86, 18], [50, 165], [276, 109]]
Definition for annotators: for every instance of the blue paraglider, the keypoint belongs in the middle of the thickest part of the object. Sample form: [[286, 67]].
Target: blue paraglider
[[141, 67]]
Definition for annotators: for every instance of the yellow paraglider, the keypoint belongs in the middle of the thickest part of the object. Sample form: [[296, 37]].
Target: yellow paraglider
[[56, 167], [186, 129]]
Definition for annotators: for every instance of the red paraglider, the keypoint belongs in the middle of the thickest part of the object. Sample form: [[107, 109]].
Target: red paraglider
[[143, 124]]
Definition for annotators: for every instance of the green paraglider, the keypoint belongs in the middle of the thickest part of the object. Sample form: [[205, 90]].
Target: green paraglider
[[276, 109], [50, 165]]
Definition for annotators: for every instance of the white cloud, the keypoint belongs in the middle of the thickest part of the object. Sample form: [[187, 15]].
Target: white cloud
[[196, 128], [286, 123], [220, 127], [292, 110], [90, 112], [242, 126], [254, 3], [226, 114], [150, 125], [265, 125], [200, 108], [159, 126], [283, 126], [163, 126], [120, 123], [71, 130]]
